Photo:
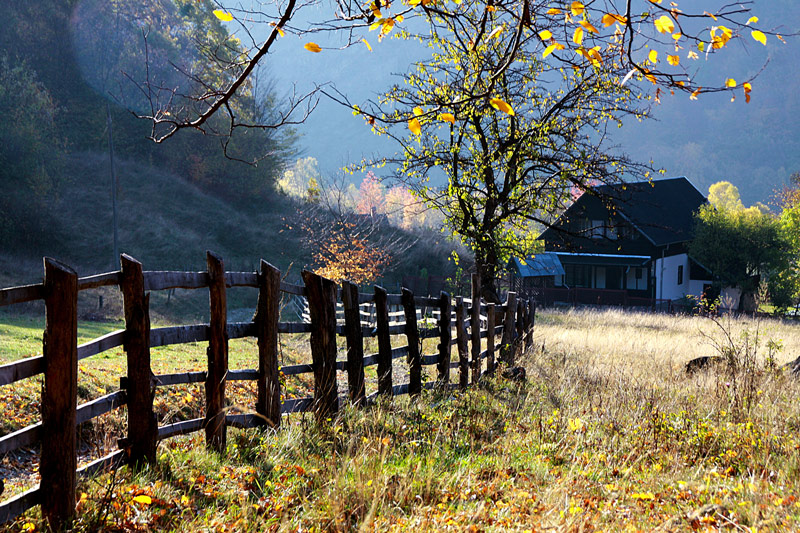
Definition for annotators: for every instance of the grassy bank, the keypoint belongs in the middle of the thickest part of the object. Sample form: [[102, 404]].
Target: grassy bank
[[608, 433]]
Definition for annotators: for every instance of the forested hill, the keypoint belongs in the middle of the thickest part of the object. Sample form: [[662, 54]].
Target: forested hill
[[755, 145]]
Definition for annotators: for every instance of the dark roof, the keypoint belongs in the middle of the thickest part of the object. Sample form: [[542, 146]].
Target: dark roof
[[663, 210], [543, 264]]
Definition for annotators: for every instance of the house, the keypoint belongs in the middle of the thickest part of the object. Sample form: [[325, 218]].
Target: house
[[538, 271], [628, 243]]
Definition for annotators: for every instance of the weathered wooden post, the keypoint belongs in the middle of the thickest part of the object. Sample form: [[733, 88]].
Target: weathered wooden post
[[461, 342], [217, 355], [355, 343], [475, 328], [322, 308], [412, 334], [445, 337], [507, 351], [384, 341], [268, 402], [140, 444], [58, 462], [520, 347], [490, 337]]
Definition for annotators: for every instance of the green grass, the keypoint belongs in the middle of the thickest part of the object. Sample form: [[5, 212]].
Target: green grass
[[608, 433]]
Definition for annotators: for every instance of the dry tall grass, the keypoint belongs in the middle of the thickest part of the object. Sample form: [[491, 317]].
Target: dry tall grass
[[608, 433]]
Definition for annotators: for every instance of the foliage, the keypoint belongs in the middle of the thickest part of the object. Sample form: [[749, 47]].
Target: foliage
[[30, 155], [741, 247]]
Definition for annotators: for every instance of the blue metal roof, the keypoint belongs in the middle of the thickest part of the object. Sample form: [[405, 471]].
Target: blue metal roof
[[543, 264]]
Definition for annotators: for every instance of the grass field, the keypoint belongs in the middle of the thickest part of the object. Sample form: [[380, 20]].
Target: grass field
[[607, 433]]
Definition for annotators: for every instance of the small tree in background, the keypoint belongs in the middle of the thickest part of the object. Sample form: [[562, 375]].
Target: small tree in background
[[744, 247]]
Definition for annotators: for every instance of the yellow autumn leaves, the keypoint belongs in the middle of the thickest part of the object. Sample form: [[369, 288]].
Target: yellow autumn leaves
[[415, 126]]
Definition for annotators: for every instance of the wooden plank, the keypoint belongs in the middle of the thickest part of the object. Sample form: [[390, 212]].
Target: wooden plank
[[25, 293], [216, 434], [101, 344], [268, 400], [239, 330], [412, 334], [507, 351], [293, 327], [243, 375], [181, 428], [107, 279], [399, 352], [445, 338], [241, 279], [290, 288], [394, 299], [22, 438], [365, 298], [110, 462], [100, 406], [322, 308], [294, 370], [475, 328], [30, 435], [397, 329], [297, 405], [58, 460], [355, 343], [18, 370], [183, 378], [428, 333], [167, 279], [178, 335], [423, 301], [10, 509], [491, 331], [384, 341], [245, 420], [428, 360], [142, 438]]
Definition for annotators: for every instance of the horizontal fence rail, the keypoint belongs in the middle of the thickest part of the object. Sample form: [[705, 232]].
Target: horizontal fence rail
[[331, 312]]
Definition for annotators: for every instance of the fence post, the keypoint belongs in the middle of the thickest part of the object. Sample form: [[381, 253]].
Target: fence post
[[322, 308], [475, 327], [384, 341], [355, 343], [507, 351], [490, 337], [520, 348], [412, 334], [140, 387], [59, 461], [445, 337], [217, 355], [268, 401], [461, 341]]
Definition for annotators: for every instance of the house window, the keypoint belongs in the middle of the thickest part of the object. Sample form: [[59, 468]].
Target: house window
[[680, 274], [598, 229]]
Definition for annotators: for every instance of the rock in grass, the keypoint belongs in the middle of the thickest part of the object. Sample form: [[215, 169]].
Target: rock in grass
[[702, 363], [516, 373]]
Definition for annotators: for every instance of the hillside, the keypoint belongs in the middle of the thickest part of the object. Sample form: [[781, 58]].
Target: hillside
[[168, 224]]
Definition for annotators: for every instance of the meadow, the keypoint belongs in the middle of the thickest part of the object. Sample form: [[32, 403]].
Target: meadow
[[608, 432]]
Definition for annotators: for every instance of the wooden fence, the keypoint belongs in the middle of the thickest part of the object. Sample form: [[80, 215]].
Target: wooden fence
[[57, 431]]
